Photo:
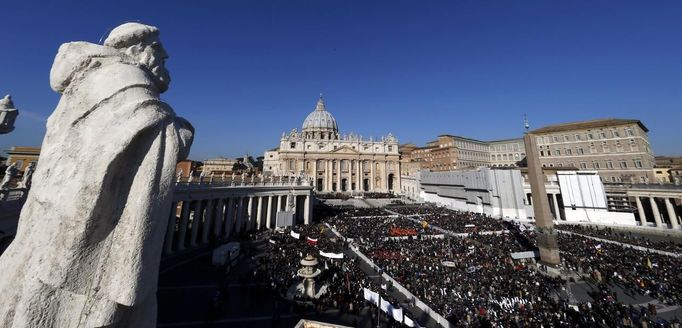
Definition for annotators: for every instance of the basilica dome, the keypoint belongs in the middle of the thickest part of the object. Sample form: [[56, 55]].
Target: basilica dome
[[320, 124]]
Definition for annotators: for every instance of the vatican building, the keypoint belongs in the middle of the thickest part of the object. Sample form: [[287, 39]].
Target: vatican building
[[338, 163]]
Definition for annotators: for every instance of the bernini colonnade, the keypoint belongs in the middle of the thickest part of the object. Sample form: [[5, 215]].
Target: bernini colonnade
[[204, 211]]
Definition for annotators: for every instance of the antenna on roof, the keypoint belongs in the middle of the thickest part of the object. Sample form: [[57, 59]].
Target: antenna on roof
[[526, 125]]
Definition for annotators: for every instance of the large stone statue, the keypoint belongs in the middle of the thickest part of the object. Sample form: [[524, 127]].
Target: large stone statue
[[10, 172], [8, 114], [28, 175], [88, 245]]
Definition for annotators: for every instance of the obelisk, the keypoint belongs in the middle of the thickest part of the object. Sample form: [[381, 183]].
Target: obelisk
[[547, 237]]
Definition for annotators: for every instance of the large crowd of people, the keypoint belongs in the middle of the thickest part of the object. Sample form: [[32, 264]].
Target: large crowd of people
[[624, 237], [452, 220], [636, 270], [471, 279]]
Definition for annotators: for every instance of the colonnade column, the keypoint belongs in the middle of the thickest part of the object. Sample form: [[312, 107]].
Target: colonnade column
[[184, 220], [268, 216], [671, 213], [306, 210], [229, 217], [640, 211], [219, 217], [557, 215], [170, 230], [657, 214], [206, 226], [259, 213], [196, 221], [249, 215], [315, 175], [240, 215]]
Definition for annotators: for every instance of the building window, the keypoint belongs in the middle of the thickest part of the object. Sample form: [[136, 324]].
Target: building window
[[578, 137], [583, 165], [630, 132], [556, 139], [638, 164], [616, 134], [390, 148], [542, 153], [549, 152], [595, 164], [609, 164], [292, 145], [623, 164], [590, 136], [558, 152], [602, 135], [579, 150], [569, 152]]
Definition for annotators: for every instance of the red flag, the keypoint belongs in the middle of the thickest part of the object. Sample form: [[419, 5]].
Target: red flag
[[312, 242]]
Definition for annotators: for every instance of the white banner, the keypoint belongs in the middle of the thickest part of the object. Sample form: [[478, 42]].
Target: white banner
[[408, 322], [371, 296], [295, 235], [448, 264], [397, 314], [385, 305], [332, 255]]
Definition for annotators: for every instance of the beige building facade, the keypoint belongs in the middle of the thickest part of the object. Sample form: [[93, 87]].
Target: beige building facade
[[335, 162], [218, 166], [618, 149], [506, 153]]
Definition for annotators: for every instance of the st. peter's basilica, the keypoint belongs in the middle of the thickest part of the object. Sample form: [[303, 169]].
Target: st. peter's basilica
[[339, 163]]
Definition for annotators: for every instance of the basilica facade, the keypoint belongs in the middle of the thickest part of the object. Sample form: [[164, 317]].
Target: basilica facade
[[336, 163]]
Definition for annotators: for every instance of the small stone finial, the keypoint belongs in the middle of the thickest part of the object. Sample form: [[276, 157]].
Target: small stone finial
[[6, 102]]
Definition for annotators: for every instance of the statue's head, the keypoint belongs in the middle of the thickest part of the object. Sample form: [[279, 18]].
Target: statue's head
[[141, 42]]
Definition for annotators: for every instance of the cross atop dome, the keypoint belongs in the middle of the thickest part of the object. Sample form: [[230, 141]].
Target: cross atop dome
[[320, 104]]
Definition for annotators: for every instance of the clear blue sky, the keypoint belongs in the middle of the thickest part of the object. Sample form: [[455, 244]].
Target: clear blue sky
[[244, 72]]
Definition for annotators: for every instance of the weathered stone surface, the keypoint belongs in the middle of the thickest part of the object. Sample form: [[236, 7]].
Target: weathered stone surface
[[89, 241]]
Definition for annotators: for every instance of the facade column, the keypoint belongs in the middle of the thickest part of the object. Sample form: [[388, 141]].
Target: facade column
[[640, 211], [328, 175], [384, 177], [259, 214], [196, 222], [170, 230], [219, 216], [338, 175], [240, 215], [206, 227], [657, 214], [556, 208], [315, 174], [249, 215], [398, 175], [184, 220], [371, 175], [671, 213], [306, 210], [279, 203], [229, 217], [268, 216]]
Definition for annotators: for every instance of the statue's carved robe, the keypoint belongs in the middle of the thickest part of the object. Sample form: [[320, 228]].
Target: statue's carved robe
[[90, 235]]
